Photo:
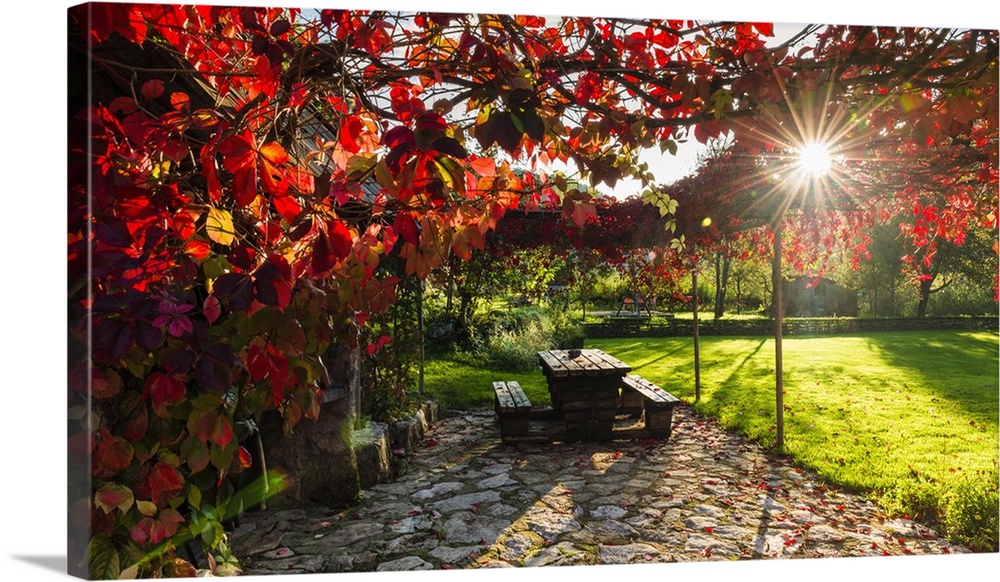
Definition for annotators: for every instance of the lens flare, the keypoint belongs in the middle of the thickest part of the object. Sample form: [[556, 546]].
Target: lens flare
[[814, 158]]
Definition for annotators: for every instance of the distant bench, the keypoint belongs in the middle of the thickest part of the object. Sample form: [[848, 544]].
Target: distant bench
[[512, 408], [657, 403]]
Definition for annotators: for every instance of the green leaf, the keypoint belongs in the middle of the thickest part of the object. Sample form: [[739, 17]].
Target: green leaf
[[102, 559], [194, 496], [668, 145], [306, 370], [213, 268], [195, 454], [384, 177], [212, 533], [452, 173], [360, 165], [206, 402], [222, 457]]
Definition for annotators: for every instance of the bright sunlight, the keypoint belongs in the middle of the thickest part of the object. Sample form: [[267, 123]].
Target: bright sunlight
[[814, 159]]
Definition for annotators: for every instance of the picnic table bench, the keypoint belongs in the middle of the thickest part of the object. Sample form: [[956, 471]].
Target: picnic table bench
[[512, 408], [657, 403]]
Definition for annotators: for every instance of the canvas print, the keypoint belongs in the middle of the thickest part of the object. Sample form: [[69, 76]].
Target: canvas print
[[364, 291]]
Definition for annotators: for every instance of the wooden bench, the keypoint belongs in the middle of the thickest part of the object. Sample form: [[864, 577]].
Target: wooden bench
[[512, 408], [657, 403]]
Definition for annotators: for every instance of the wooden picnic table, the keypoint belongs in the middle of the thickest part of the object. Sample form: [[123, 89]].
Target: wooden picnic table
[[593, 398], [584, 386]]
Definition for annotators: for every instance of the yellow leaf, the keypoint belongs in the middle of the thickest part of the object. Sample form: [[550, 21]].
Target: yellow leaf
[[219, 226], [147, 508], [911, 102], [130, 573]]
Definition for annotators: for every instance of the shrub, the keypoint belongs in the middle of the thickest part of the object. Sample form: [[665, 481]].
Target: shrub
[[507, 339], [517, 349], [972, 514], [511, 340], [921, 500], [567, 333], [966, 512], [390, 353]]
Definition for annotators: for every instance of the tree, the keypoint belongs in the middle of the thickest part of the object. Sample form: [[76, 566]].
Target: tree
[[237, 176], [879, 275]]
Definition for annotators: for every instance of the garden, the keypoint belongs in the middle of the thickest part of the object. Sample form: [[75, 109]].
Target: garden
[[909, 418], [288, 225]]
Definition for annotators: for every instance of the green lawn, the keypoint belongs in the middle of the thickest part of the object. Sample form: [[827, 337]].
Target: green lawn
[[459, 384], [862, 410], [909, 417]]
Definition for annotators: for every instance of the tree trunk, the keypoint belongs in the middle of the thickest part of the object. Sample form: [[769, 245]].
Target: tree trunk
[[721, 282], [925, 295], [450, 287], [420, 335], [464, 307], [697, 350], [778, 308]]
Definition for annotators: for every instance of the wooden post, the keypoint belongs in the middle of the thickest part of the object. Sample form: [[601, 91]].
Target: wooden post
[[779, 383], [697, 360], [420, 335]]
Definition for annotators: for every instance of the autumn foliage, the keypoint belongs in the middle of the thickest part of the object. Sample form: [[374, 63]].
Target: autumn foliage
[[237, 175]]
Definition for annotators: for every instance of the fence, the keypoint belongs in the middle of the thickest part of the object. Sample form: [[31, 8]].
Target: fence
[[644, 327]]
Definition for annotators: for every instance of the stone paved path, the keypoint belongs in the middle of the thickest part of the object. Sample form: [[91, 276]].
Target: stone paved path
[[467, 501]]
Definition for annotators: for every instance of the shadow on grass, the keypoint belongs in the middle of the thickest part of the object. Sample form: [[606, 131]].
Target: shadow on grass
[[743, 364], [754, 409], [637, 363], [961, 367]]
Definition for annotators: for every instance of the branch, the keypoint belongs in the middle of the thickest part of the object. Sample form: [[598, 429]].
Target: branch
[[943, 286], [186, 72]]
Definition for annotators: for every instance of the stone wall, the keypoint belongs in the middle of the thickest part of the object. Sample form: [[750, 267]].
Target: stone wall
[[318, 457]]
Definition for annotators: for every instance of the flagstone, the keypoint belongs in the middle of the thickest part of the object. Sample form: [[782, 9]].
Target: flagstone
[[627, 554], [437, 490], [408, 563]]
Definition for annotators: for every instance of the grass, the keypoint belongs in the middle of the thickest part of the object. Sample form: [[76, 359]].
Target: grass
[[464, 384], [857, 407], [911, 418]]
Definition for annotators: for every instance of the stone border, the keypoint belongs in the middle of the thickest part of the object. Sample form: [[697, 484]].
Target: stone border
[[381, 450]]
